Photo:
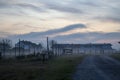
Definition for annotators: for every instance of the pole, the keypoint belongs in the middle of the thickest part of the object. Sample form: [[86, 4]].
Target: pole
[[19, 47], [15, 50], [47, 45], [119, 49], [29, 48], [3, 47]]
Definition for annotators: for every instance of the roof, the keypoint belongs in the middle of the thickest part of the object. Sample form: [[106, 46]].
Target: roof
[[29, 43], [80, 45]]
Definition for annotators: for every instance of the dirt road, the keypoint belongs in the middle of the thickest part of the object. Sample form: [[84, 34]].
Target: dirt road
[[98, 68]]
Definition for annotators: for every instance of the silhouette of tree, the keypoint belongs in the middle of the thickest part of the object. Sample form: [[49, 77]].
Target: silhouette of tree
[[52, 42], [5, 45]]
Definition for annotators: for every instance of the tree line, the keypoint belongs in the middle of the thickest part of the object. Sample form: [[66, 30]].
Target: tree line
[[19, 49]]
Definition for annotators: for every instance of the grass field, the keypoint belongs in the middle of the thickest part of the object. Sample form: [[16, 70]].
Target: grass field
[[59, 68], [116, 56]]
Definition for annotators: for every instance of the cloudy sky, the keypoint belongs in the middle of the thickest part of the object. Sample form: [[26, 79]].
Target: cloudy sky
[[68, 21]]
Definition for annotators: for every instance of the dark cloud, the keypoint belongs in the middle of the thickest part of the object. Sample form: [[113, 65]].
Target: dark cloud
[[79, 8], [31, 6], [24, 25], [64, 8], [115, 14], [102, 10], [4, 34], [109, 19], [92, 4], [4, 5], [10, 9], [36, 35], [19, 9], [72, 6], [55, 31], [89, 3], [111, 13], [83, 37], [91, 37], [71, 27]]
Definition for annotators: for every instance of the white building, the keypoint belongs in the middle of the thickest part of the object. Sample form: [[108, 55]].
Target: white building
[[29, 47], [59, 49]]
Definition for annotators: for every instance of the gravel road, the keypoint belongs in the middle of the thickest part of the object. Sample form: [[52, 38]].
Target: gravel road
[[98, 68]]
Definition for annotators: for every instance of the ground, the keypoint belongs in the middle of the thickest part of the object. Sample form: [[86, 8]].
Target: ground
[[57, 68], [68, 67], [98, 68]]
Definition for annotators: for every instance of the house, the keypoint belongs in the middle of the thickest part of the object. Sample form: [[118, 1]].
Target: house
[[59, 49], [29, 47]]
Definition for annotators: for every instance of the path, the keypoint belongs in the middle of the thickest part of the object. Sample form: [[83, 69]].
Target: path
[[98, 68]]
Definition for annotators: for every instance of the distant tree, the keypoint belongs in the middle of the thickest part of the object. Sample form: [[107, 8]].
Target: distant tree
[[29, 46], [40, 47], [5, 44], [52, 42]]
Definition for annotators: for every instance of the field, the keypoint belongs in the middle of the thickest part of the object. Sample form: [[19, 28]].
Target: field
[[116, 56], [59, 68]]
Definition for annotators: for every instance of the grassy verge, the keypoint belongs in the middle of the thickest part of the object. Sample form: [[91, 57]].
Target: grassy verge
[[116, 56], [21, 71], [59, 68], [62, 68]]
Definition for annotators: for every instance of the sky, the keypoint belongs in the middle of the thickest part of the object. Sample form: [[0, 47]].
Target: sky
[[66, 21]]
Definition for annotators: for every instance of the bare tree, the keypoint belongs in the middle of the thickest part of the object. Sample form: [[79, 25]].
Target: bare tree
[[52, 42], [5, 45], [40, 47]]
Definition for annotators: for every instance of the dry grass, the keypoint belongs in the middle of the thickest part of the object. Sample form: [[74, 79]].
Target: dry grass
[[116, 56], [59, 68], [62, 67], [21, 71]]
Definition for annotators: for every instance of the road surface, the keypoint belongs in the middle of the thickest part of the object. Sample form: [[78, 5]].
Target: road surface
[[98, 68]]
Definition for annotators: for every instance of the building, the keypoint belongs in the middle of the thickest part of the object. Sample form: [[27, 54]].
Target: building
[[59, 49], [29, 47]]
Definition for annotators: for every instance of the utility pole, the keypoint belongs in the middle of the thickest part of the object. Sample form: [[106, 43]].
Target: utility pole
[[119, 43], [15, 50], [19, 47], [4, 47], [34, 51], [23, 50], [29, 48], [47, 45]]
